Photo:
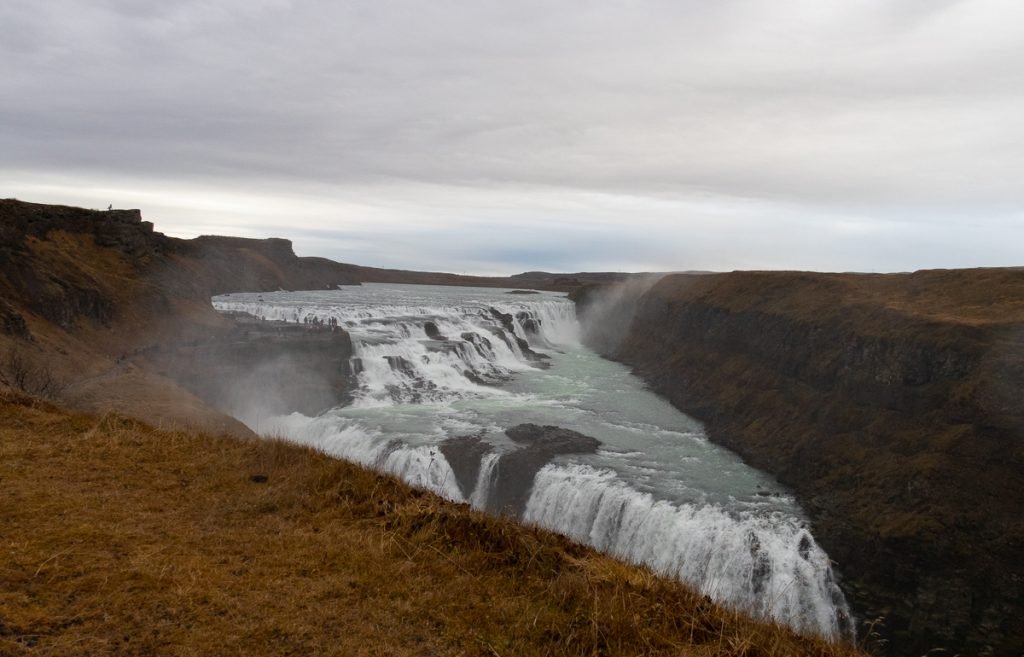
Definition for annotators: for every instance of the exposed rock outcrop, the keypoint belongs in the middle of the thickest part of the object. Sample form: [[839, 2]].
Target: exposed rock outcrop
[[432, 332], [517, 469], [464, 455], [890, 404]]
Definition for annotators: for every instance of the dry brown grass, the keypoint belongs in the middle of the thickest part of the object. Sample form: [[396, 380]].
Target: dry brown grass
[[976, 297], [119, 539]]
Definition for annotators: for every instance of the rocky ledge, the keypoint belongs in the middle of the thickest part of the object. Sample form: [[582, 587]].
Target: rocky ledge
[[515, 470]]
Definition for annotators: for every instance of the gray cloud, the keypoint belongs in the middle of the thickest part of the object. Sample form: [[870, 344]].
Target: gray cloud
[[688, 134]]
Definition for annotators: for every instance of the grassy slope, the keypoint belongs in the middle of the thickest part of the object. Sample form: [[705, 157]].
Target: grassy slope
[[121, 539]]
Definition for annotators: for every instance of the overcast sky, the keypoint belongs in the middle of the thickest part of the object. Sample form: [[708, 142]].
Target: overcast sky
[[501, 136]]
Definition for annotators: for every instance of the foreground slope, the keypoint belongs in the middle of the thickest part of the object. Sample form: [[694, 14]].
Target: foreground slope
[[123, 540], [890, 403]]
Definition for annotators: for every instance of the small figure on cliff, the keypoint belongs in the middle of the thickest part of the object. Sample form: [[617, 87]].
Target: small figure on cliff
[[110, 207]]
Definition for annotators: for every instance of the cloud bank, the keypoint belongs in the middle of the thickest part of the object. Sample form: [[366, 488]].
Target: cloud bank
[[494, 137]]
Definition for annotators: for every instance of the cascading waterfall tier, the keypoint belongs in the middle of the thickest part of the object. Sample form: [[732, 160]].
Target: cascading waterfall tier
[[414, 352], [443, 372], [766, 564]]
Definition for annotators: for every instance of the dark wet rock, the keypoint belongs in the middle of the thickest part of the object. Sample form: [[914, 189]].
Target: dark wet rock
[[805, 546], [480, 343], [434, 333], [503, 336], [536, 358], [445, 347], [513, 341], [522, 292], [415, 389], [399, 364], [516, 470], [529, 323], [505, 319], [464, 454], [476, 378], [552, 439]]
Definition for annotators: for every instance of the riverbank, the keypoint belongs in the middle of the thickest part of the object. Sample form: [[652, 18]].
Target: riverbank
[[126, 540]]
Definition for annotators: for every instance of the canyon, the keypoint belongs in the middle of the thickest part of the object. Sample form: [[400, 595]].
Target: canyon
[[889, 404]]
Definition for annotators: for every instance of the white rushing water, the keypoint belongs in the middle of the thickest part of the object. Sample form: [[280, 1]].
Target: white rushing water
[[436, 363]]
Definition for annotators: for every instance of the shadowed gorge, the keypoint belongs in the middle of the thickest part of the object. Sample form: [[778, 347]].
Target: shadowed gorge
[[890, 403]]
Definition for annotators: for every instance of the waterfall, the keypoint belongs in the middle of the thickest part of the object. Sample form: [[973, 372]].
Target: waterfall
[[767, 565], [485, 480], [423, 466], [437, 364], [428, 353]]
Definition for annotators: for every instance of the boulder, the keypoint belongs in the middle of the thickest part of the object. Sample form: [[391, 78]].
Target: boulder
[[434, 333]]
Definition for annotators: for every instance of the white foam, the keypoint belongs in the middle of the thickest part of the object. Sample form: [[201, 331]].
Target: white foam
[[484, 480], [423, 466], [399, 363]]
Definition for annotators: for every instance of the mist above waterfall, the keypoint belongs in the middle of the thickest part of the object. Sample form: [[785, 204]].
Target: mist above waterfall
[[606, 311]]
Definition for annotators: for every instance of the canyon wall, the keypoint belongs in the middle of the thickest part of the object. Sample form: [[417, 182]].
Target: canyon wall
[[122, 315], [890, 404]]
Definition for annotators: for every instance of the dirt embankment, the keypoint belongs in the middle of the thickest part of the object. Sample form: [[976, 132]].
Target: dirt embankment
[[890, 404]]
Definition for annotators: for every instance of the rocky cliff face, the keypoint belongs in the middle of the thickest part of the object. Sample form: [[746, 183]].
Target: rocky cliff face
[[254, 368], [124, 314], [890, 404]]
